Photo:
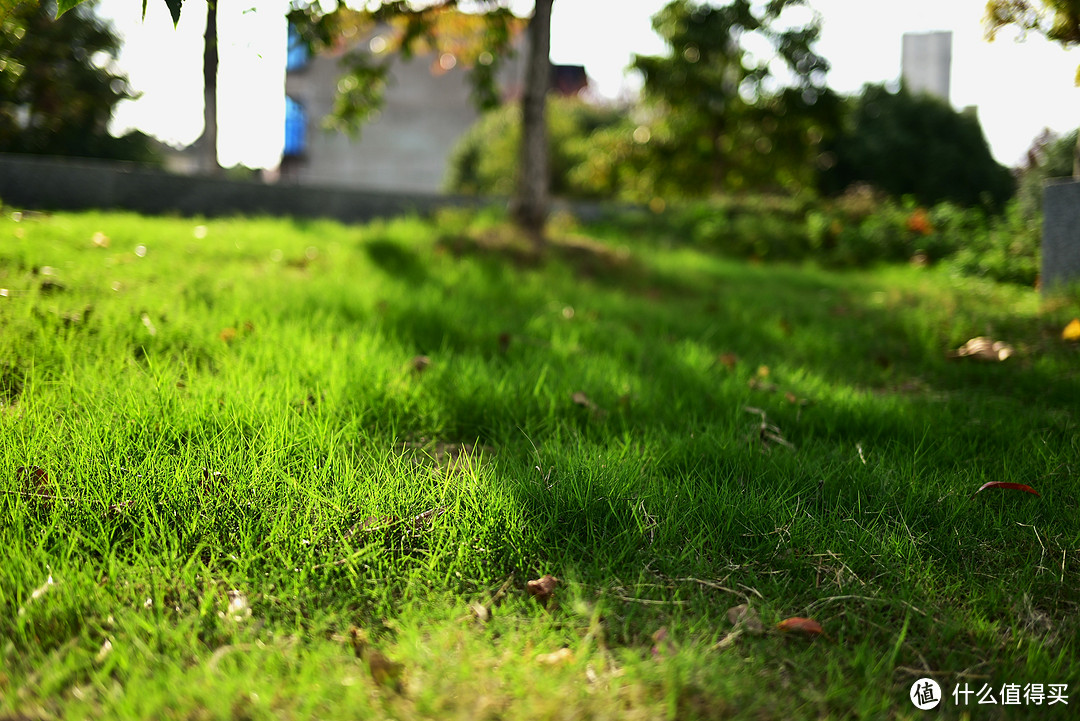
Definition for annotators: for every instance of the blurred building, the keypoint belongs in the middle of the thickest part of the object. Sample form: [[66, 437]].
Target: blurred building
[[926, 63], [428, 107]]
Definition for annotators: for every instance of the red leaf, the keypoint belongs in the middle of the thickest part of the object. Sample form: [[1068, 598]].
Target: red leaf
[[801, 625], [1008, 486]]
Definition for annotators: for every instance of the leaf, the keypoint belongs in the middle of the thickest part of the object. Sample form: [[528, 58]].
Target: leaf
[[728, 360], [227, 335], [1007, 486], [542, 588], [62, 6], [744, 617], [174, 10], [481, 612], [797, 624], [556, 658], [100, 240], [983, 348], [419, 363], [383, 670], [581, 399], [1072, 330]]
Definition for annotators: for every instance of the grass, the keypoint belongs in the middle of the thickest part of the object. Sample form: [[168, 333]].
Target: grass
[[256, 435]]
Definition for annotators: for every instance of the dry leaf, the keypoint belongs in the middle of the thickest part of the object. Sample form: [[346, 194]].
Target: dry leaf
[[104, 651], [481, 612], [383, 670], [419, 363], [797, 624], [227, 334], [984, 348], [1072, 330], [100, 240], [728, 360], [542, 588], [742, 616], [556, 658], [581, 399], [1007, 486]]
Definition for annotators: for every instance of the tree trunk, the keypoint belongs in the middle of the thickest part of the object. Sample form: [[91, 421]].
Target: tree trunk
[[207, 142], [529, 207]]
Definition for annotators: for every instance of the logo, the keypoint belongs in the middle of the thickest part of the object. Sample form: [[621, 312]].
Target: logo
[[925, 694]]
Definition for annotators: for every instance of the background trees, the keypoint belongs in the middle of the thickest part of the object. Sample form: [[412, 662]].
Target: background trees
[[57, 93], [916, 145]]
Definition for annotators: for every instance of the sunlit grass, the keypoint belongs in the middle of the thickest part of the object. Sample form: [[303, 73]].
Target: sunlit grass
[[233, 412]]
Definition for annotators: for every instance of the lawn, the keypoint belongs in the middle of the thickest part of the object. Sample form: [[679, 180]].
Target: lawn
[[256, 468]]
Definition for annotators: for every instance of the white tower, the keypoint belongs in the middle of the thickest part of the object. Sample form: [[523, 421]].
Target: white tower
[[926, 62]]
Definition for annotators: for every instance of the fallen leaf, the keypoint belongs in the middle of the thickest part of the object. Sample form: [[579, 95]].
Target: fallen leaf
[[742, 616], [983, 348], [1072, 330], [419, 363], [481, 612], [797, 624], [729, 360], [660, 642], [555, 658], [34, 476], [581, 399], [227, 334], [383, 670], [542, 588], [1007, 486], [100, 240]]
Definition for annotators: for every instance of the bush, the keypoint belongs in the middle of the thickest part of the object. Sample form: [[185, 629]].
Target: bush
[[485, 160]]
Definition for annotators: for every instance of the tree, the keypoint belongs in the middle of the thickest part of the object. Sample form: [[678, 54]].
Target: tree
[[721, 121], [57, 94], [207, 142], [917, 145], [1057, 20]]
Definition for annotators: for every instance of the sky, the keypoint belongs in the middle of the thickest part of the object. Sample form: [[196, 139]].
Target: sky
[[1019, 88]]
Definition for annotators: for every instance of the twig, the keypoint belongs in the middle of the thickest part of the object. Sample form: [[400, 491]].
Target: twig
[[831, 599]]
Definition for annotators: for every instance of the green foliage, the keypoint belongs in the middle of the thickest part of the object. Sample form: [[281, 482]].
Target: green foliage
[[1050, 156], [55, 98], [917, 145], [720, 121], [858, 229], [485, 159]]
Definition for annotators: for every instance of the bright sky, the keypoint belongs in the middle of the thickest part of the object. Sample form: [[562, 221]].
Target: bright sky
[[1019, 88]]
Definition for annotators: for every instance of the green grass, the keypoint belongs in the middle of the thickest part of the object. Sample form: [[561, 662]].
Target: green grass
[[239, 416]]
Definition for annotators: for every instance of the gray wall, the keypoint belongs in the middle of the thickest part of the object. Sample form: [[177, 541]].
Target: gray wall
[[73, 184]]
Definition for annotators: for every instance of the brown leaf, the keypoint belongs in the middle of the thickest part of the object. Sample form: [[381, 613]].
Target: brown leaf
[[984, 348], [419, 363], [797, 624], [542, 588], [728, 360], [33, 476], [228, 335], [745, 617]]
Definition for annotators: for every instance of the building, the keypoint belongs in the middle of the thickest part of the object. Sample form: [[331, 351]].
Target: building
[[926, 63], [407, 146]]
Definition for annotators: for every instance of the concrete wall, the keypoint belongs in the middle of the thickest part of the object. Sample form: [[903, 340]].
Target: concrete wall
[[407, 147], [1061, 234], [70, 184], [926, 63]]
